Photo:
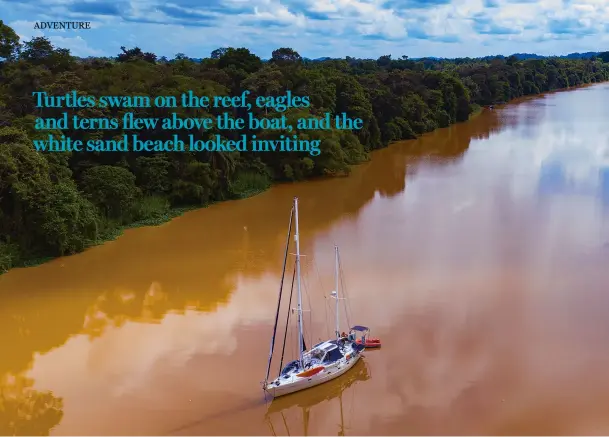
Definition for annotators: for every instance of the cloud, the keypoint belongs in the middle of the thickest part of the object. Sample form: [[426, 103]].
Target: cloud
[[569, 26], [77, 45], [25, 29], [316, 28], [415, 4], [419, 32], [95, 8], [184, 14], [485, 25], [316, 15]]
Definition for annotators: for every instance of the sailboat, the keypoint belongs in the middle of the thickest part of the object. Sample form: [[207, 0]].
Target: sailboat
[[326, 360]]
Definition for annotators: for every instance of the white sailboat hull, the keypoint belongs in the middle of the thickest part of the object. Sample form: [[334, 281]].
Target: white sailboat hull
[[295, 383]]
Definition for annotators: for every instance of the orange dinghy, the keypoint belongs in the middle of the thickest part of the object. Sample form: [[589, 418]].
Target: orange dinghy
[[363, 339], [370, 343]]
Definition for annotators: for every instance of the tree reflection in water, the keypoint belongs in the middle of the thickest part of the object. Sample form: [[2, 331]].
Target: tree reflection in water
[[26, 411]]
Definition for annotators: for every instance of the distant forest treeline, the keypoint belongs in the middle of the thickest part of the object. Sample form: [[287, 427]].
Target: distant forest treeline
[[60, 203], [519, 56]]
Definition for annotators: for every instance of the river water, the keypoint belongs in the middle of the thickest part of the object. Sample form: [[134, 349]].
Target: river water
[[479, 254]]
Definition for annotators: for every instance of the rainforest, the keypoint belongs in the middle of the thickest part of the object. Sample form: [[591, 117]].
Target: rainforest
[[60, 203]]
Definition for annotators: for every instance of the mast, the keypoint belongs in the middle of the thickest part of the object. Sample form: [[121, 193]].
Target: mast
[[285, 258], [297, 239], [336, 288]]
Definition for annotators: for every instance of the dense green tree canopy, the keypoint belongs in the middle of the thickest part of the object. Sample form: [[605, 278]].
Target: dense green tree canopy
[[58, 203]]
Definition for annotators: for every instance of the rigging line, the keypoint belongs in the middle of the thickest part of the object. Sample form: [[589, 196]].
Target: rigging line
[[303, 334], [287, 323], [311, 343], [325, 298], [318, 274], [346, 303], [293, 343], [285, 260], [345, 291], [326, 317], [306, 289], [311, 329], [329, 304], [344, 281], [310, 311]]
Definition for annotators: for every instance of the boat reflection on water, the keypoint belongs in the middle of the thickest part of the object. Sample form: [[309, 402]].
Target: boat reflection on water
[[308, 399]]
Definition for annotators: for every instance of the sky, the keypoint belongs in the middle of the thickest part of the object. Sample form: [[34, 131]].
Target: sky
[[318, 28]]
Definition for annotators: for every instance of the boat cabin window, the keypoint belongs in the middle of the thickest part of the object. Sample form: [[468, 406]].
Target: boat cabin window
[[290, 367], [330, 353], [317, 354], [333, 355]]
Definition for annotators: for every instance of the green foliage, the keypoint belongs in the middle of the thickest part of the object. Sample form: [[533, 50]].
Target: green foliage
[[69, 221], [112, 189], [248, 184], [153, 174], [42, 217], [9, 256], [196, 185], [9, 42], [151, 208], [59, 203]]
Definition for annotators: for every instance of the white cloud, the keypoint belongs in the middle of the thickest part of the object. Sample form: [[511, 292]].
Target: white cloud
[[25, 29], [78, 45]]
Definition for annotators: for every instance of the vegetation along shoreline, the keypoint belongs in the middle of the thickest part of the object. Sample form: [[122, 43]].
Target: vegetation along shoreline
[[56, 204]]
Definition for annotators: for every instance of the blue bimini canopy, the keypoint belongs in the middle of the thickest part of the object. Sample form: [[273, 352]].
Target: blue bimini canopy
[[359, 328]]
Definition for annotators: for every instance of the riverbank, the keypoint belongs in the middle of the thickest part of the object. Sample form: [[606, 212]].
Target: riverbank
[[157, 217], [162, 215]]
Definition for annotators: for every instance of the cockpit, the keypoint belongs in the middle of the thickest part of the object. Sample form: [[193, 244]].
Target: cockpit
[[325, 353]]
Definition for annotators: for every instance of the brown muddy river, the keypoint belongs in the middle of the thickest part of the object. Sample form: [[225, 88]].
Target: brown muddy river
[[482, 264]]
